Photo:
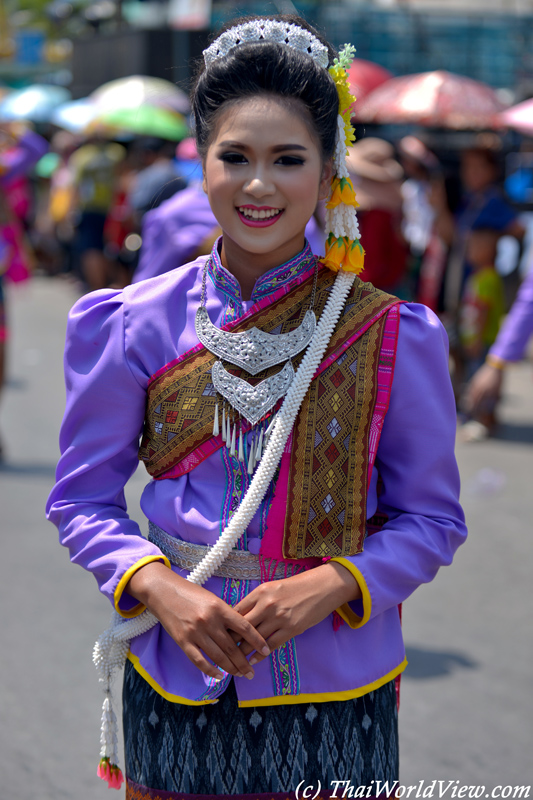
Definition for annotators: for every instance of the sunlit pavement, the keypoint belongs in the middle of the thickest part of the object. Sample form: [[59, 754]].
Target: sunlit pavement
[[467, 705]]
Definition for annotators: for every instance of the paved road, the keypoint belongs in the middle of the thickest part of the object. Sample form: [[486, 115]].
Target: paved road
[[467, 703]]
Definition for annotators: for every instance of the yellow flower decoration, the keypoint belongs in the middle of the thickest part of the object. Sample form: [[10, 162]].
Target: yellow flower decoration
[[342, 191], [355, 258], [343, 250], [339, 73], [335, 253], [341, 253]]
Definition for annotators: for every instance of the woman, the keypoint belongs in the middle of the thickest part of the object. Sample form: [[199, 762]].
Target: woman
[[280, 669], [20, 149]]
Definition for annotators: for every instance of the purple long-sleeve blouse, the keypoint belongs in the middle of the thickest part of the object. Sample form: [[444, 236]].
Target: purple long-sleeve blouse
[[511, 342], [116, 340]]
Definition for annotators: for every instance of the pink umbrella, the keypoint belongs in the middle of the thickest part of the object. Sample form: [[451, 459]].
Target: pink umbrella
[[435, 99], [519, 117], [365, 76]]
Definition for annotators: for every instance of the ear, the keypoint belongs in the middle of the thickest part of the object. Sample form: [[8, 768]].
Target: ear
[[204, 179], [325, 180]]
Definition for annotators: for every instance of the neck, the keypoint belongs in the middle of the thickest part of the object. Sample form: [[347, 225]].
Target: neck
[[247, 267]]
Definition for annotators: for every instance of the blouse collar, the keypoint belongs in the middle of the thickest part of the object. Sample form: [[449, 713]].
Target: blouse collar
[[267, 283]]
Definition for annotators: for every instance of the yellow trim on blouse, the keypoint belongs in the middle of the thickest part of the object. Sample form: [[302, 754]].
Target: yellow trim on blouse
[[139, 608], [345, 611], [280, 700], [325, 697], [172, 698]]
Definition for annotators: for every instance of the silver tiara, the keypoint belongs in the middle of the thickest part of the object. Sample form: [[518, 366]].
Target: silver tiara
[[268, 31]]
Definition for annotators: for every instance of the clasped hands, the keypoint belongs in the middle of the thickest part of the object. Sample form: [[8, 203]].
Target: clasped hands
[[209, 630]]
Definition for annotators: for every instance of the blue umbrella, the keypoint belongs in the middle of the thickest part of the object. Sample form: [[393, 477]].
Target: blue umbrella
[[35, 103], [74, 116]]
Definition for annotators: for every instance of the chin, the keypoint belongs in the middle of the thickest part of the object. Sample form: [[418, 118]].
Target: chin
[[261, 243]]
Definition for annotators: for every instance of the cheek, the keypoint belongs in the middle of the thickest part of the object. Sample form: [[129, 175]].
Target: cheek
[[213, 171], [215, 183], [313, 188]]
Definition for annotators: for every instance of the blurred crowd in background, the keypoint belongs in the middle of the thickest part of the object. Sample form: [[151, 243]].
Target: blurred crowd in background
[[101, 197]]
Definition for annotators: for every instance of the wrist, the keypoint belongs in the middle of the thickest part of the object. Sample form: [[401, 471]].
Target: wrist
[[343, 584], [145, 581], [495, 362]]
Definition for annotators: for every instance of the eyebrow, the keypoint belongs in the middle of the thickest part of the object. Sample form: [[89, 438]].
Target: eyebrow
[[276, 149]]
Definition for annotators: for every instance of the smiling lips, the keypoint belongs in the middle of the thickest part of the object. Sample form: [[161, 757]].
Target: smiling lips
[[259, 217]]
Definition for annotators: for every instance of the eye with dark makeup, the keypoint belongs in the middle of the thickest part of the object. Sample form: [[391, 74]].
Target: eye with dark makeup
[[291, 161], [233, 158], [284, 161]]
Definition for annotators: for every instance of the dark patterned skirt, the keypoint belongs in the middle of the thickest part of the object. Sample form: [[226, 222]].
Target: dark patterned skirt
[[179, 751]]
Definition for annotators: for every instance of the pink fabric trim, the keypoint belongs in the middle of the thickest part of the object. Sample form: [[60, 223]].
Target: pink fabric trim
[[272, 541], [387, 361], [271, 550]]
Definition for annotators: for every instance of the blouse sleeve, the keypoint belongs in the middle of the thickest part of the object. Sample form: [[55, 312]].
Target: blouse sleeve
[[517, 328], [99, 441], [420, 477]]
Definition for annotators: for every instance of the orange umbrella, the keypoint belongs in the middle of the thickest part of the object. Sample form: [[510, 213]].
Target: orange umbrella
[[365, 76], [435, 99]]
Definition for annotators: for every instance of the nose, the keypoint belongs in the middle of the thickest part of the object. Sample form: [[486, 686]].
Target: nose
[[259, 184]]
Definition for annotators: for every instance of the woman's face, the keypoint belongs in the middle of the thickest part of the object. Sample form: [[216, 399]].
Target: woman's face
[[263, 174]]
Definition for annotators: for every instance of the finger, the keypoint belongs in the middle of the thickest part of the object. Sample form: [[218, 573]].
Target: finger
[[245, 605], [195, 655], [254, 613], [228, 656], [211, 650], [276, 640], [249, 634], [267, 629]]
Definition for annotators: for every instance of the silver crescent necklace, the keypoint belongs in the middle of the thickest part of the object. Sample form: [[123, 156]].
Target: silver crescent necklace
[[253, 350]]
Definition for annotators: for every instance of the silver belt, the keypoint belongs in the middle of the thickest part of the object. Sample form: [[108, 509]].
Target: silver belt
[[239, 564]]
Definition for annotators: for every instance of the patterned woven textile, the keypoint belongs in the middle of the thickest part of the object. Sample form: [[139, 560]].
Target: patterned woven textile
[[329, 463], [219, 749]]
